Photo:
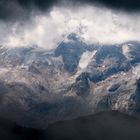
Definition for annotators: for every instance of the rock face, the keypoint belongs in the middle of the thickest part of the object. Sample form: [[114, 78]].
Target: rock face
[[108, 61], [138, 86], [114, 87], [71, 52], [39, 86], [81, 87]]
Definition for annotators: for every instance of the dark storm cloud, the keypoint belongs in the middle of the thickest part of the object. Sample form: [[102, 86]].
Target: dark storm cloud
[[118, 4], [14, 9], [41, 4], [123, 4], [128, 5], [11, 9]]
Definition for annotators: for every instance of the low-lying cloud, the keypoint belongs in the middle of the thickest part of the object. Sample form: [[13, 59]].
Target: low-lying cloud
[[93, 24]]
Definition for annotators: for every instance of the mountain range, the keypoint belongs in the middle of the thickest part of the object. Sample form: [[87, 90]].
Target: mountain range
[[39, 87]]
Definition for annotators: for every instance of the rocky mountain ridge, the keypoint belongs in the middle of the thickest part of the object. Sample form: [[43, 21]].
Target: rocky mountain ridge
[[40, 86]]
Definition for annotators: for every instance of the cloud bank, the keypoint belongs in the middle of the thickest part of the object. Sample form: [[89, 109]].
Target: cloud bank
[[13, 9], [93, 24]]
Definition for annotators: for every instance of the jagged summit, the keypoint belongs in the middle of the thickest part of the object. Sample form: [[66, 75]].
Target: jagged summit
[[72, 80]]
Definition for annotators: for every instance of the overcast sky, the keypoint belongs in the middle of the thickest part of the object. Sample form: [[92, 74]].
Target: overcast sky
[[9, 8]]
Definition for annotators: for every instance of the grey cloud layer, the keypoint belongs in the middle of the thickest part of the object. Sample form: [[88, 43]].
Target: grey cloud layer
[[93, 25], [18, 9]]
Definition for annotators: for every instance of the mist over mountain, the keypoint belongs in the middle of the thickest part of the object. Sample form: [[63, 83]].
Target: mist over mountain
[[41, 86], [60, 61]]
